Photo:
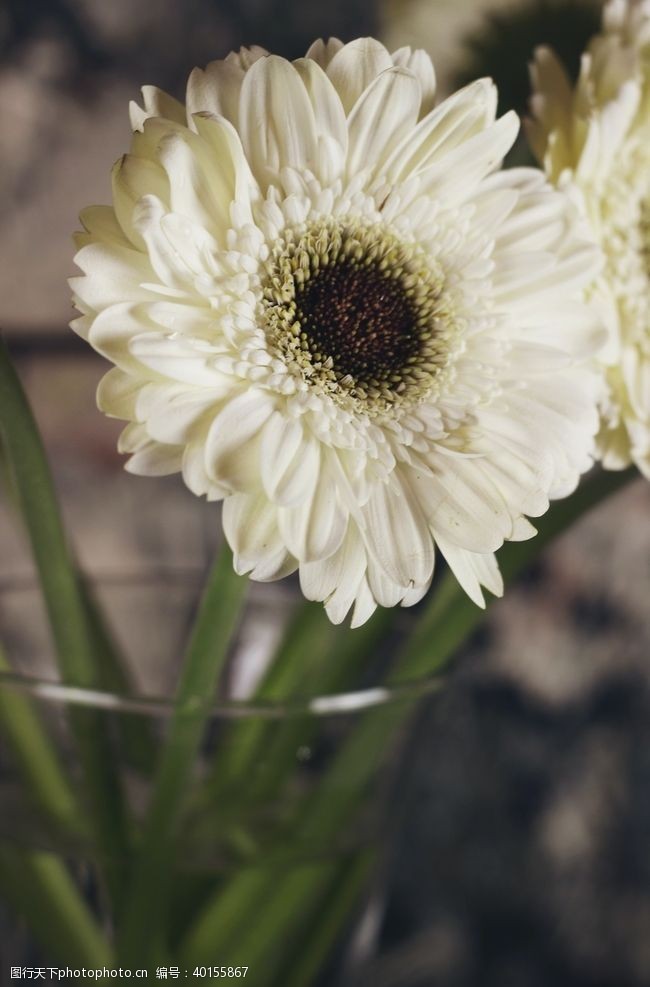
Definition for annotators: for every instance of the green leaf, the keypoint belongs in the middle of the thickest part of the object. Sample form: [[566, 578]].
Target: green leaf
[[327, 926], [148, 900], [67, 614], [305, 644], [138, 746], [41, 889], [313, 658], [42, 773]]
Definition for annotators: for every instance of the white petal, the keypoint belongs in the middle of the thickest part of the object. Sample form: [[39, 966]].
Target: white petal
[[133, 178], [385, 591], [456, 174], [472, 571], [336, 580], [488, 573], [571, 276], [156, 104], [168, 264], [364, 605], [172, 411], [101, 224], [329, 116], [552, 110], [421, 66], [288, 460], [156, 460], [239, 421], [112, 332], [523, 530], [464, 507], [216, 89], [323, 52], [114, 275], [314, 529], [116, 394], [457, 119], [227, 157], [355, 66], [387, 110], [277, 121], [397, 535], [250, 525], [195, 474], [414, 595], [179, 358], [201, 183], [133, 438], [522, 484]]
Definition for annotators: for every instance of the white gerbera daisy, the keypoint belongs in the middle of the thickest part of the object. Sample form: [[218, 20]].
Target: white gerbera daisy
[[327, 310], [594, 141]]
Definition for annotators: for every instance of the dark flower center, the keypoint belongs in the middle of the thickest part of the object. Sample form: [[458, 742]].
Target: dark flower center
[[360, 319], [358, 314]]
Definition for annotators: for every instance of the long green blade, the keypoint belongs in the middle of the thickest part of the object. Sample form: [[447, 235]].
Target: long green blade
[[42, 773], [41, 889], [67, 614], [149, 892]]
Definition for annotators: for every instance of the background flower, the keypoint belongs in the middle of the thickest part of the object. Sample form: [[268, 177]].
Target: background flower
[[595, 140], [328, 310]]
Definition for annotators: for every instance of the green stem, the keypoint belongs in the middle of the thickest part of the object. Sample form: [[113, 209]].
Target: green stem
[[35, 754], [149, 891], [343, 898], [138, 744], [289, 917], [313, 657], [65, 605], [305, 905], [235, 930], [227, 915], [300, 656], [40, 888]]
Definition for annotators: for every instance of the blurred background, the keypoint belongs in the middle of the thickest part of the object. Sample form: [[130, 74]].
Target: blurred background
[[524, 859]]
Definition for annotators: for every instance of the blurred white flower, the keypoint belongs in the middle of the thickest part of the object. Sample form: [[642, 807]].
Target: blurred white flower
[[328, 310], [594, 141]]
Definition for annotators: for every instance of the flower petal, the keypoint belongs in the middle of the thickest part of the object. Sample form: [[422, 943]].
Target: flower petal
[[322, 52], [397, 535], [231, 431], [288, 460], [336, 580], [157, 103], [472, 571], [420, 65], [314, 529], [385, 111], [117, 393], [277, 121], [251, 528], [329, 116], [132, 179], [355, 66]]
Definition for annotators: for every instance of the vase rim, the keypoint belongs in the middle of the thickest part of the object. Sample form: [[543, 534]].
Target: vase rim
[[134, 703]]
